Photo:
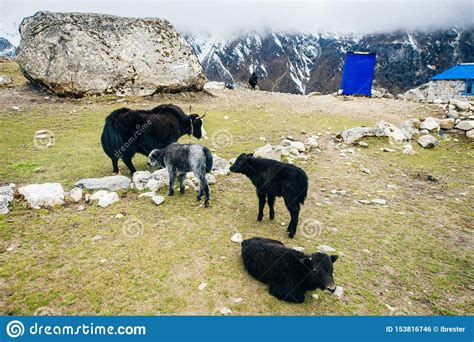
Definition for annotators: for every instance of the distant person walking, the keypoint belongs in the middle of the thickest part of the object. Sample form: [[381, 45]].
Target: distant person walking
[[253, 80]]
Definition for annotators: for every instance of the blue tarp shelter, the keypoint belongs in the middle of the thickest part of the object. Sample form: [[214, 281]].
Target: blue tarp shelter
[[358, 73]]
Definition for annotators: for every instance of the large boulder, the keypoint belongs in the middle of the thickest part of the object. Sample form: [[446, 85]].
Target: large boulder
[[351, 135], [112, 183], [77, 54], [43, 195]]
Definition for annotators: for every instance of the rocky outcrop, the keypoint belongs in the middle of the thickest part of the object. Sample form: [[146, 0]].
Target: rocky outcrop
[[76, 54]]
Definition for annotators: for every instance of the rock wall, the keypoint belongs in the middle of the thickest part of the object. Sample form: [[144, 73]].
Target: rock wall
[[76, 54], [444, 89]]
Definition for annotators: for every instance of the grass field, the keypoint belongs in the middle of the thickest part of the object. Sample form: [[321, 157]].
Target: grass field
[[411, 256]]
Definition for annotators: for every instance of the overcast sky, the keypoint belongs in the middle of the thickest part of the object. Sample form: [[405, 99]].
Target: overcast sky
[[227, 17]]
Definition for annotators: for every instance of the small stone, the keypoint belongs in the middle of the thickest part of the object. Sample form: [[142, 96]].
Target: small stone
[[238, 300], [299, 249], [315, 296], [157, 199], [75, 194], [80, 208], [96, 238], [430, 124], [366, 170], [202, 286], [465, 125], [365, 250], [386, 149], [363, 144], [237, 238], [108, 199], [470, 134], [379, 201], [428, 141], [225, 311], [119, 216], [226, 117], [16, 108], [147, 194], [339, 292], [364, 201], [262, 139], [325, 249]]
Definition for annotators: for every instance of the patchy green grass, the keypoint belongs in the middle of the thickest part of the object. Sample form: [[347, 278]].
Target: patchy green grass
[[414, 254]]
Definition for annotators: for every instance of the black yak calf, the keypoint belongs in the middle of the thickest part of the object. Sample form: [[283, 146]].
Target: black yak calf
[[288, 272], [272, 179], [128, 131], [180, 159]]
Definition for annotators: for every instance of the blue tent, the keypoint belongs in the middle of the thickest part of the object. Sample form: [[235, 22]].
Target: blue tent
[[358, 73]]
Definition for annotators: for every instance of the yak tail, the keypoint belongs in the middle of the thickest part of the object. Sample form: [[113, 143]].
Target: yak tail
[[208, 155]]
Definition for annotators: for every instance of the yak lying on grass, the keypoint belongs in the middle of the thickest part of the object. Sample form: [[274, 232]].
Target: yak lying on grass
[[288, 272], [128, 131], [272, 179], [180, 159]]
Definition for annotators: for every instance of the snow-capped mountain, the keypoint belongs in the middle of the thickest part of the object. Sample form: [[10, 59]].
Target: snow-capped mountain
[[6, 48], [301, 63]]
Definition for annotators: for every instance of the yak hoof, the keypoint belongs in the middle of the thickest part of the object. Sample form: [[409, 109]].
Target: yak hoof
[[291, 235]]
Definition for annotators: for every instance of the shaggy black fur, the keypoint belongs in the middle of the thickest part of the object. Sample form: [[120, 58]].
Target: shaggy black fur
[[128, 131], [272, 179], [288, 272]]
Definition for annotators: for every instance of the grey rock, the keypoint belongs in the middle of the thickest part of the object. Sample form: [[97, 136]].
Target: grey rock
[[5, 80], [410, 128], [237, 238], [268, 151], [157, 199], [43, 195], [460, 105], [220, 166], [465, 125], [351, 135], [430, 124], [112, 183], [86, 54], [470, 134], [325, 249], [75, 194], [428, 141]]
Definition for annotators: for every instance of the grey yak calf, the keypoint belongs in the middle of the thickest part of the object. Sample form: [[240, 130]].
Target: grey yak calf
[[179, 159], [288, 272], [275, 179]]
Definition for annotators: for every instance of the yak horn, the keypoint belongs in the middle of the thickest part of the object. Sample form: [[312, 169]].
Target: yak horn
[[202, 117]]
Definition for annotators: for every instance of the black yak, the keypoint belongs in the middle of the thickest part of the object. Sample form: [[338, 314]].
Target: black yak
[[129, 131], [253, 80], [180, 159], [288, 272], [271, 179]]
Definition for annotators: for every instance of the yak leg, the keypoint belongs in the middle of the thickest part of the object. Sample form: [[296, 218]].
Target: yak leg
[[294, 209], [127, 159], [261, 205], [271, 204], [172, 176], [115, 166], [181, 178]]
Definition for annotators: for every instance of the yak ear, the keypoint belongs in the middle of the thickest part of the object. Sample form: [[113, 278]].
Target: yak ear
[[334, 258]]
